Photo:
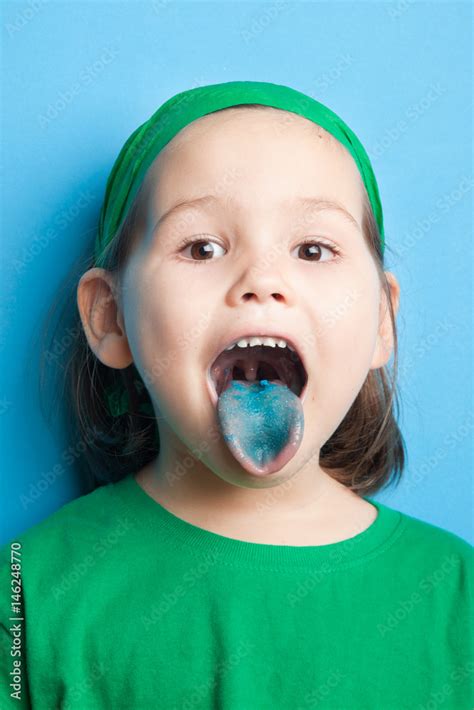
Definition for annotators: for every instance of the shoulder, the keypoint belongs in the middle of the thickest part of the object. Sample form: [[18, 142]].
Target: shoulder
[[430, 535], [426, 546], [71, 532]]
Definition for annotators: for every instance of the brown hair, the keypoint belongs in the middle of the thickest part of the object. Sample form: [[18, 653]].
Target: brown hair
[[365, 453]]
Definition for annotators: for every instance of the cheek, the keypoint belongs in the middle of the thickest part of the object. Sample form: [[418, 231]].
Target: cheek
[[166, 333], [165, 308], [343, 324], [351, 333], [343, 356]]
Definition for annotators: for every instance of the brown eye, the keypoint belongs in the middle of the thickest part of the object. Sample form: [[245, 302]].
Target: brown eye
[[314, 251], [201, 249]]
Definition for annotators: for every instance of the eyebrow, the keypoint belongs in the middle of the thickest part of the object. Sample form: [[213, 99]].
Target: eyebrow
[[314, 203]]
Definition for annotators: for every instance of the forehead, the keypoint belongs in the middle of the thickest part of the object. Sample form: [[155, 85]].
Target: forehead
[[255, 154], [255, 118]]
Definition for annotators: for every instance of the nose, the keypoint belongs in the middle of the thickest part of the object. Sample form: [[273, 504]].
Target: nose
[[262, 283]]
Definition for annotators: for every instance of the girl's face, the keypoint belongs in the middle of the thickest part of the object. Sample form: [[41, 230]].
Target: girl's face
[[245, 186]]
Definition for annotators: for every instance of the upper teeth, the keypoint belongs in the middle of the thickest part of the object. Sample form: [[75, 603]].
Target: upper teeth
[[250, 342]]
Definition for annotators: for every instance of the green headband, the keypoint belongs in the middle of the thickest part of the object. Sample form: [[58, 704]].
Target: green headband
[[145, 143]]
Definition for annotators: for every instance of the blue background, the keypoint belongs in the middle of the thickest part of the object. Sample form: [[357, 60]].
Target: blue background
[[79, 77]]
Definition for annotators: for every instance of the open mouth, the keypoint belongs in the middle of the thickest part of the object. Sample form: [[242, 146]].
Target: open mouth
[[251, 363]]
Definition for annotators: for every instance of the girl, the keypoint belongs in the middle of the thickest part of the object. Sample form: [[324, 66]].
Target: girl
[[231, 384]]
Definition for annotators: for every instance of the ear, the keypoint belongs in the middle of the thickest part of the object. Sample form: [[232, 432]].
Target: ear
[[384, 344], [102, 319]]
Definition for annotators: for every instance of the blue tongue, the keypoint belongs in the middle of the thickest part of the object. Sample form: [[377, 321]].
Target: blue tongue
[[262, 424]]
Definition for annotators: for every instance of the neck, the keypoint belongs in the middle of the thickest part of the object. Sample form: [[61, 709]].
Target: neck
[[310, 503]]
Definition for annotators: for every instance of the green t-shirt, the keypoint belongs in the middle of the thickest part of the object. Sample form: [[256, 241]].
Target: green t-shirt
[[126, 605]]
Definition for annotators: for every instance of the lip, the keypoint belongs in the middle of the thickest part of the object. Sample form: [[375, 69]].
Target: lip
[[248, 333]]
